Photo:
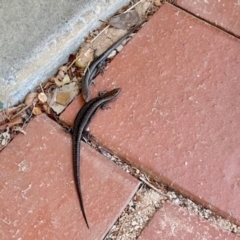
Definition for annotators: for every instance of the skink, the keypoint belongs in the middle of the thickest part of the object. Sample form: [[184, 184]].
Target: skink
[[93, 68], [82, 120]]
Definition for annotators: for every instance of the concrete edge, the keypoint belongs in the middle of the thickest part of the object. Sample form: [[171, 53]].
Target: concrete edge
[[56, 53]]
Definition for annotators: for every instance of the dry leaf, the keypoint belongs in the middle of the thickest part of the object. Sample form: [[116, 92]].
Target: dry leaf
[[31, 98], [157, 3], [19, 129], [143, 9], [63, 68], [75, 79], [5, 138], [72, 89], [84, 57], [106, 39], [3, 116], [15, 121], [9, 113], [46, 108], [66, 79], [80, 63], [125, 20], [57, 82], [42, 97], [71, 58], [63, 98], [22, 108], [60, 75], [12, 110], [36, 111], [49, 84]]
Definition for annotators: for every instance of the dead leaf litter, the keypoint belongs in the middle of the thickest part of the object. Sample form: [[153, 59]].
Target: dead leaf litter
[[53, 96]]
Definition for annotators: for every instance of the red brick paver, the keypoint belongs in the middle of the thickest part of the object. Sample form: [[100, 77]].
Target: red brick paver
[[37, 193], [174, 222], [223, 13], [178, 116]]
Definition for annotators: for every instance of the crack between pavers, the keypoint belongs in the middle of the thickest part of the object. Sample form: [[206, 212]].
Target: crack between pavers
[[206, 21], [168, 194]]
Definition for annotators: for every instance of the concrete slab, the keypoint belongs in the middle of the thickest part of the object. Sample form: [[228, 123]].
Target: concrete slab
[[36, 37]]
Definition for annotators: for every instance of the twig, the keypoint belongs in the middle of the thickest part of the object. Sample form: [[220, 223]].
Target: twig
[[25, 108], [109, 25], [133, 6], [87, 67], [27, 119], [41, 88], [3, 115], [78, 55], [100, 33], [76, 58], [150, 185]]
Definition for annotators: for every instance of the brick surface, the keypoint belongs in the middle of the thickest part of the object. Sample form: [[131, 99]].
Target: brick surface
[[173, 222], [38, 199], [178, 115], [223, 13], [68, 116]]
